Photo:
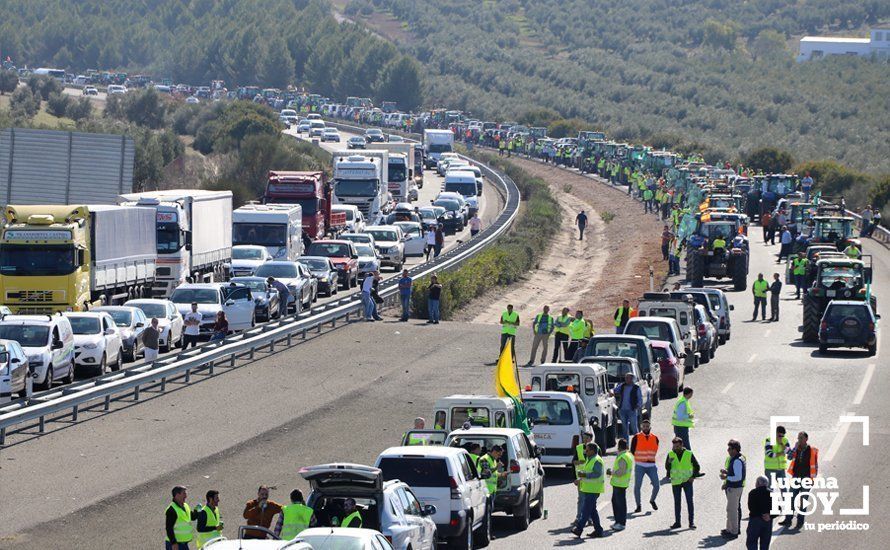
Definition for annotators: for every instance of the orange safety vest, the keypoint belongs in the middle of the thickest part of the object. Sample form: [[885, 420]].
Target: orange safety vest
[[814, 463], [646, 448]]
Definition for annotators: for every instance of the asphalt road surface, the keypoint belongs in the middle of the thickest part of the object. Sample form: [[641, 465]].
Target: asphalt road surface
[[348, 394]]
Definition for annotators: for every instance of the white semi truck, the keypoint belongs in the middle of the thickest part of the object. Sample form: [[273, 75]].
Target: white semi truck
[[360, 180], [400, 167], [278, 227], [436, 142], [194, 235]]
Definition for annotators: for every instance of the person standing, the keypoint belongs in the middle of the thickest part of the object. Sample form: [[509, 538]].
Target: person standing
[[806, 184], [367, 300], [210, 524], [647, 200], [760, 522], [405, 283], [666, 238], [799, 271], [352, 515], [733, 475], [644, 448], [178, 518], [867, 216], [295, 517], [804, 465], [475, 224], [586, 437], [283, 295], [620, 479], [775, 290], [591, 481], [561, 336], [759, 288], [786, 240], [576, 332], [622, 316], [581, 222], [775, 459], [151, 340], [490, 464], [430, 239], [440, 240], [192, 329], [682, 468], [684, 417], [542, 328], [509, 323], [434, 295], [259, 512], [629, 399]]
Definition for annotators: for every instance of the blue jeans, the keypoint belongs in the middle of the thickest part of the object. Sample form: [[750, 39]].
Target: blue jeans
[[759, 533], [406, 305], [628, 422], [368, 305], [799, 283], [639, 473], [433, 306], [588, 512], [684, 488], [282, 306], [683, 433]]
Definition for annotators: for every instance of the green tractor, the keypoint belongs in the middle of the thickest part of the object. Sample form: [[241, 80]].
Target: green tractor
[[837, 230], [835, 279], [703, 259]]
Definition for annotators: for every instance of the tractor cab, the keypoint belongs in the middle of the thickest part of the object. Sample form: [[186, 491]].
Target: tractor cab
[[836, 279], [708, 258], [833, 229]]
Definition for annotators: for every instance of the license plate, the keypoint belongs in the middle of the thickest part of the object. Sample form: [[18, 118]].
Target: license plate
[[835, 340], [830, 293], [543, 436]]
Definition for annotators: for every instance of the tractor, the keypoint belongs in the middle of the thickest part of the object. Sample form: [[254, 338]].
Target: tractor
[[703, 260], [835, 278], [837, 230], [765, 193]]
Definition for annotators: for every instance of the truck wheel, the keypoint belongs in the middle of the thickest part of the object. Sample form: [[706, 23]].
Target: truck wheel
[[811, 319], [740, 273], [695, 270]]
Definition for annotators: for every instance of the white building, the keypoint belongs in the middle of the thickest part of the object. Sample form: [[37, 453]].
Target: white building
[[816, 47]]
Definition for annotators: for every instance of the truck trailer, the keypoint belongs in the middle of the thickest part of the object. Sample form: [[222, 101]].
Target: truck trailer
[[436, 142]]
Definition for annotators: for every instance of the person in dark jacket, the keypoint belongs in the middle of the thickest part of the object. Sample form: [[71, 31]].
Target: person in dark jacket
[[775, 290], [760, 522], [171, 516], [629, 400], [440, 240]]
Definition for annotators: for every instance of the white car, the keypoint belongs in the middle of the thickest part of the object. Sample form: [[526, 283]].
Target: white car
[[358, 238], [192, 100], [355, 220], [222, 543], [331, 134], [389, 245], [131, 323], [97, 342], [444, 477], [90, 90], [559, 421], [368, 262], [413, 238], [326, 538], [114, 89], [316, 128], [170, 323], [246, 258], [47, 341], [304, 126], [388, 506], [13, 368], [235, 300]]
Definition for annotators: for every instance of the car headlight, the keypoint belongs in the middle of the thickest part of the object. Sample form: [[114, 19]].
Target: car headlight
[[393, 250], [90, 346]]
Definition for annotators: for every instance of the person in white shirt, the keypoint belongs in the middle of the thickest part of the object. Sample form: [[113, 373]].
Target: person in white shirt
[[192, 329], [367, 300], [475, 225], [430, 242], [733, 477]]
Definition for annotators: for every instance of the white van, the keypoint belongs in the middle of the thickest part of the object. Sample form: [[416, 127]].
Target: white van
[[485, 411], [49, 343], [465, 184], [661, 304], [559, 421]]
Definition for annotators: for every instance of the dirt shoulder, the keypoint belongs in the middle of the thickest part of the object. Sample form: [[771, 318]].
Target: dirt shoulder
[[594, 275]]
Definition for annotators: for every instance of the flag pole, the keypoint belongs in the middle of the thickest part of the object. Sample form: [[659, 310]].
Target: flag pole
[[515, 368]]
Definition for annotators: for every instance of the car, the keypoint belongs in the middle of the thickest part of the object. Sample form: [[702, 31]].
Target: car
[[368, 262], [444, 159], [559, 422], [356, 142], [331, 134], [299, 281], [465, 205], [431, 217], [97, 343], [316, 128], [246, 258], [682, 310], [719, 306], [304, 126], [658, 328], [849, 324], [241, 543], [326, 538], [288, 117], [355, 220], [447, 478], [389, 506], [389, 245], [48, 341], [706, 325], [265, 297], [413, 191], [671, 366], [374, 135], [236, 301], [192, 100], [413, 238], [393, 138], [13, 369], [90, 90], [521, 494], [626, 345], [115, 89], [170, 322], [313, 116], [616, 369], [358, 238], [344, 256], [324, 272], [130, 322], [453, 218]]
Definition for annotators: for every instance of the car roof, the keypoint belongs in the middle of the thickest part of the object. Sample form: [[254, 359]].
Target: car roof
[[607, 337], [247, 278], [414, 451], [113, 308], [332, 241], [571, 396], [30, 319], [212, 286], [323, 258], [90, 314], [280, 262], [149, 301]]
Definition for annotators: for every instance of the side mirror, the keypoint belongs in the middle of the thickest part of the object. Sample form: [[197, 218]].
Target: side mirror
[[539, 452], [428, 510], [355, 256], [109, 331], [230, 302], [15, 360], [58, 344], [81, 257], [594, 422], [188, 240], [140, 325]]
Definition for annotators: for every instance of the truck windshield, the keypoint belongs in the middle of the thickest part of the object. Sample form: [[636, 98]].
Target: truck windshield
[[263, 234], [440, 148], [169, 237], [467, 189], [356, 188], [397, 172], [26, 335], [37, 259]]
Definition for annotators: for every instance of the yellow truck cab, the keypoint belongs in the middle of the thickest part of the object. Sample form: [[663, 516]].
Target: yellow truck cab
[[485, 411]]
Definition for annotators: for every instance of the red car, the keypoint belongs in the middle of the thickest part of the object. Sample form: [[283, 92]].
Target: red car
[[343, 255], [672, 371]]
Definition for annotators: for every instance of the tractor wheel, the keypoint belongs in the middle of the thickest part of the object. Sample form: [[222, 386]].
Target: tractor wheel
[[811, 319], [739, 273], [695, 269]]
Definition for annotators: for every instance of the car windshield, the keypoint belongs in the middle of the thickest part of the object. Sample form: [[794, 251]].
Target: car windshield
[[122, 317], [329, 250], [37, 259], [85, 325], [383, 235], [279, 271], [192, 295], [555, 412], [410, 230], [614, 349], [416, 471], [265, 234], [364, 249], [314, 264], [397, 172], [153, 310], [338, 542], [28, 336], [467, 189], [447, 204], [616, 369], [248, 253], [837, 313], [651, 329]]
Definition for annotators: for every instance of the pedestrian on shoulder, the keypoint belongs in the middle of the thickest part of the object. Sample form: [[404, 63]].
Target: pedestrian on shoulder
[[542, 328], [440, 240], [804, 465], [430, 237], [760, 522], [591, 481], [283, 295], [210, 523], [759, 288], [259, 512], [733, 476], [666, 238], [581, 222], [619, 478], [434, 294], [178, 518], [682, 468], [151, 337], [475, 224], [629, 399], [561, 336], [405, 283], [576, 332], [295, 517], [622, 316], [644, 448], [192, 329], [683, 418], [509, 322]]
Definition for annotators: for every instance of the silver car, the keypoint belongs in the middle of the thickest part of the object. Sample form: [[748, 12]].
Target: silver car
[[296, 277], [13, 368]]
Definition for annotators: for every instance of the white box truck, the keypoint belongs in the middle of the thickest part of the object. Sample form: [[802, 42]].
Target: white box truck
[[360, 180], [194, 235], [278, 227], [436, 142]]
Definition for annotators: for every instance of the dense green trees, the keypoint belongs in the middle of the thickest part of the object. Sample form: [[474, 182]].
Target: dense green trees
[[8, 81]]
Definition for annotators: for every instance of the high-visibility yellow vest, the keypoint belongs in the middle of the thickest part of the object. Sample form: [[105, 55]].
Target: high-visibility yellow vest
[[687, 422], [577, 328], [562, 324], [353, 520], [510, 318], [778, 461], [718, 243], [588, 329], [213, 518], [623, 480], [592, 485], [760, 288], [491, 482], [296, 518], [681, 468], [799, 266], [579, 451], [182, 529]]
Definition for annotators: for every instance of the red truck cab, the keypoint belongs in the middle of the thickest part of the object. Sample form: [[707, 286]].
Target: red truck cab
[[312, 191], [343, 255]]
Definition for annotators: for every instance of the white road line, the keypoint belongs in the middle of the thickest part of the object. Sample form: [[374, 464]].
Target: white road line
[[728, 387], [752, 358], [838, 439], [863, 387]]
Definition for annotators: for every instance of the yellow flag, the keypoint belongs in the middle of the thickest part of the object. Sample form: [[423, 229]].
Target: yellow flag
[[506, 383]]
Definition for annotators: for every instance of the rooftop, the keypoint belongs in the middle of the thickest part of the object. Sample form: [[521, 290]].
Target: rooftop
[[836, 39]]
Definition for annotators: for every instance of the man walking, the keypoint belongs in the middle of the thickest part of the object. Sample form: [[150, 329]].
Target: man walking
[[644, 448], [405, 283], [192, 329], [440, 240], [151, 340], [804, 465], [475, 224], [542, 328], [622, 316], [591, 482], [430, 239], [682, 468], [620, 479], [684, 417], [178, 518], [210, 523], [799, 271], [733, 476], [561, 336], [775, 290], [581, 222], [629, 399], [434, 294], [760, 522], [509, 322], [759, 288]]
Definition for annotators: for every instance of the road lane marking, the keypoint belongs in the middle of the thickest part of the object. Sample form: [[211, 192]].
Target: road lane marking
[[728, 387], [752, 358], [838, 439], [863, 387]]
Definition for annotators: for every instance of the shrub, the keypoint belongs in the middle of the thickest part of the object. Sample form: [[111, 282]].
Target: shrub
[[57, 104]]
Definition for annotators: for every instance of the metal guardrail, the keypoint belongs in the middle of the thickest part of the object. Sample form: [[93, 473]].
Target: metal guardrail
[[68, 401]]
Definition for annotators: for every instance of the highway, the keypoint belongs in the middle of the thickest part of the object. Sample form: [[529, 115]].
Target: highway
[[347, 394]]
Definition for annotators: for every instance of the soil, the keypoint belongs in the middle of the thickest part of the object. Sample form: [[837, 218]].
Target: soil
[[611, 263]]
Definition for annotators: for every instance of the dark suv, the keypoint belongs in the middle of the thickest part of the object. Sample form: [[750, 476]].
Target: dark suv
[[848, 324]]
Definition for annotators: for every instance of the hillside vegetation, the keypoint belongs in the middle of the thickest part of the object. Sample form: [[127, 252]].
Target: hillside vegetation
[[716, 74]]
